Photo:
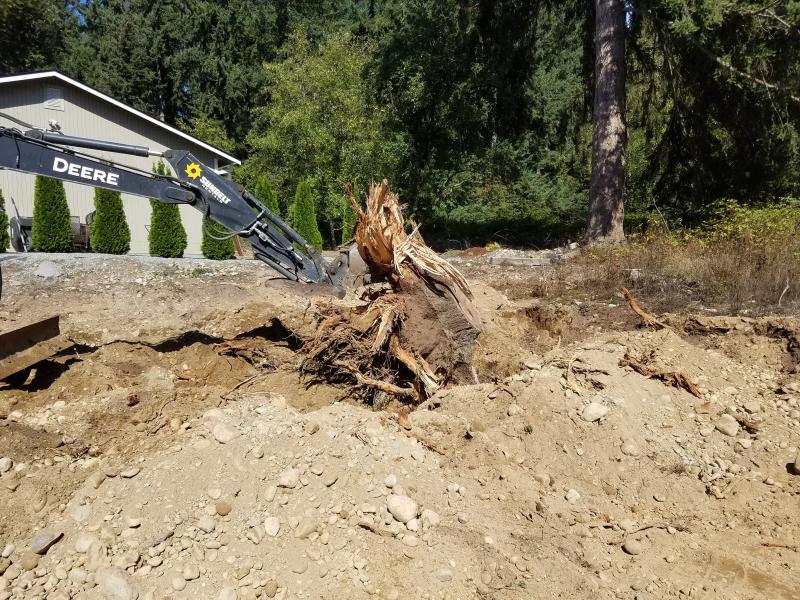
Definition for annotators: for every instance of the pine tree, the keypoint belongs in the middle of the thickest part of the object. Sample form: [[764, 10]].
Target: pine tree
[[52, 229], [267, 194], [216, 249], [304, 216], [5, 238], [349, 218], [109, 231], [167, 236]]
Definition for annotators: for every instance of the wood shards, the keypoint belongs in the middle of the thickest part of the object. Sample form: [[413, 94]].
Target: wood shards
[[673, 378]]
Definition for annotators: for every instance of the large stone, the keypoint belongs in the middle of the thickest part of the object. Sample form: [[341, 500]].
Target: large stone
[[115, 584], [272, 526], [44, 540], [5, 464], [594, 411], [48, 270], [289, 478], [401, 507], [727, 425], [224, 433]]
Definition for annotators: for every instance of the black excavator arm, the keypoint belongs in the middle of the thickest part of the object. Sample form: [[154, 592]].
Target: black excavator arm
[[53, 155]]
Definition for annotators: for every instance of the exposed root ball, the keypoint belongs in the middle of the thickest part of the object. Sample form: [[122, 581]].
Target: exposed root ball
[[411, 336]]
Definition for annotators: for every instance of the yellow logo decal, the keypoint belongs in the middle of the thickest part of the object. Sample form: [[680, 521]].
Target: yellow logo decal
[[193, 170]]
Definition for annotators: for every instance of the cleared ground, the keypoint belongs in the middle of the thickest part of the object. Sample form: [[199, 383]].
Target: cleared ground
[[180, 455]]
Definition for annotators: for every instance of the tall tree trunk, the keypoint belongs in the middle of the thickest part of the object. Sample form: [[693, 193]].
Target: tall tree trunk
[[607, 185]]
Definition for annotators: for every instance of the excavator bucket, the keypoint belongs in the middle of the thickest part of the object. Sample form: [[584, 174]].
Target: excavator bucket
[[25, 346]]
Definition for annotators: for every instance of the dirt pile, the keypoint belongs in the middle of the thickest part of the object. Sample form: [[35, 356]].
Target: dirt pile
[[201, 465]]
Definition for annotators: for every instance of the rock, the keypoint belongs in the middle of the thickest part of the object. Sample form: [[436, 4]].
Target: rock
[[133, 522], [96, 479], [402, 508], [632, 547], [84, 541], [4, 564], [594, 411], [224, 433], [330, 479], [115, 584], [272, 526], [311, 427], [48, 270], [269, 493], [206, 523], [298, 565], [513, 410], [191, 572], [271, 588], [305, 529], [390, 481], [6, 464], [752, 406], [289, 478], [542, 479], [44, 540], [444, 575], [228, 593], [727, 425], [572, 496], [628, 448], [29, 561], [223, 508], [8, 550], [130, 472], [178, 583], [430, 518]]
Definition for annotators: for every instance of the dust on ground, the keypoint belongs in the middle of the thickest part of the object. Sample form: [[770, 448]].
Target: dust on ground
[[174, 452]]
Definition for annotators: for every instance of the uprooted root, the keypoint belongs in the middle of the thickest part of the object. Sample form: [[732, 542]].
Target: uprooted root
[[360, 348]]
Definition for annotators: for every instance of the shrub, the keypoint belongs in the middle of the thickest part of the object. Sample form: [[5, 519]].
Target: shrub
[[167, 237], [349, 218], [267, 194], [304, 216], [5, 238], [216, 249], [109, 232], [52, 229]]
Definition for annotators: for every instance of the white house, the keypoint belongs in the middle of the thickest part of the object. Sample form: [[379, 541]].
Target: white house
[[79, 110]]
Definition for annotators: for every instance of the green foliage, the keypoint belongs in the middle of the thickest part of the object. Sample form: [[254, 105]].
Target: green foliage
[[349, 217], [109, 230], [52, 228], [267, 194], [167, 237], [216, 249], [5, 236], [321, 123], [304, 216], [32, 34], [211, 131]]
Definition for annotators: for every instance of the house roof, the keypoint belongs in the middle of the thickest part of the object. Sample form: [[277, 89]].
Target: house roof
[[117, 103]]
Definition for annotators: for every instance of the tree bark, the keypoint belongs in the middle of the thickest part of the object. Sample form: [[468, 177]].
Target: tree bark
[[607, 184]]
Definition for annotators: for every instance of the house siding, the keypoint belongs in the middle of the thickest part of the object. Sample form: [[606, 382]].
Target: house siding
[[86, 115]]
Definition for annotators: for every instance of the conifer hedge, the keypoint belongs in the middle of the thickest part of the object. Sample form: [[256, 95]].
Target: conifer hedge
[[216, 249], [167, 237], [5, 237], [267, 194], [304, 216], [52, 230], [110, 233]]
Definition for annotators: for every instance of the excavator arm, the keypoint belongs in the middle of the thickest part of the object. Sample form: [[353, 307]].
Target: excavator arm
[[54, 155]]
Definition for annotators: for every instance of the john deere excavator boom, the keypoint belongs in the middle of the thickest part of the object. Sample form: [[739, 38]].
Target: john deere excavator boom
[[53, 155]]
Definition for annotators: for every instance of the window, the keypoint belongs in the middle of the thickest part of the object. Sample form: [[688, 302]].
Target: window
[[54, 98]]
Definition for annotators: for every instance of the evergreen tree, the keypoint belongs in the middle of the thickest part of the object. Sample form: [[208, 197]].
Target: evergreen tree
[[267, 194], [52, 228], [216, 249], [304, 215], [167, 237], [5, 237], [109, 231], [349, 218]]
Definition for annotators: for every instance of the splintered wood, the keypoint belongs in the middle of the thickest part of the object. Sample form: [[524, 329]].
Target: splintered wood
[[409, 337]]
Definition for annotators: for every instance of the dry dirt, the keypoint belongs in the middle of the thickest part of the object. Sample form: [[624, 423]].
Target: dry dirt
[[174, 451]]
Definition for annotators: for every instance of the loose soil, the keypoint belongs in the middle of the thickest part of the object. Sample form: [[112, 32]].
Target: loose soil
[[531, 499]]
